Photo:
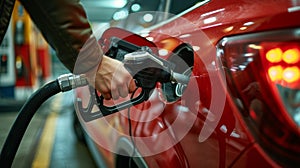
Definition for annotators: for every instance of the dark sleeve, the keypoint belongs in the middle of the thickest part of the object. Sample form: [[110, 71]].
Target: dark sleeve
[[6, 8], [65, 27]]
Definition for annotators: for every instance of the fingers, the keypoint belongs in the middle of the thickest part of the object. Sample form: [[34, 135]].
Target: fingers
[[115, 94], [132, 86], [123, 90], [106, 96], [117, 90], [103, 89], [113, 80]]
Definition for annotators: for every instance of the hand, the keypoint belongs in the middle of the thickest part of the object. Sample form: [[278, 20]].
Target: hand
[[113, 80]]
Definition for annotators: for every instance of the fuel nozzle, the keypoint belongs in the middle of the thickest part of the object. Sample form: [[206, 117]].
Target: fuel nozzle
[[179, 78], [148, 69]]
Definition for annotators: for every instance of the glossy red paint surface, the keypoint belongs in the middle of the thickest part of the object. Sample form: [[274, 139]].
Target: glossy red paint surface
[[216, 133]]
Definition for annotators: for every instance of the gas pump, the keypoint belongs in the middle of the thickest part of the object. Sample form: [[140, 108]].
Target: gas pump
[[7, 71], [26, 66]]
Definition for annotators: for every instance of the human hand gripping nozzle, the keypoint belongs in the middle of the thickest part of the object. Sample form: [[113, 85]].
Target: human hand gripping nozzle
[[146, 68]]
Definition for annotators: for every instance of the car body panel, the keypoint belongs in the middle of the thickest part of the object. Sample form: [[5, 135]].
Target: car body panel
[[230, 142]]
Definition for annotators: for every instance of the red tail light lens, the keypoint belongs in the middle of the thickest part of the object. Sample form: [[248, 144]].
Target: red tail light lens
[[263, 75], [282, 61]]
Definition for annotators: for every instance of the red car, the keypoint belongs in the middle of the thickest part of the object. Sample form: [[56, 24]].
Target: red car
[[241, 107]]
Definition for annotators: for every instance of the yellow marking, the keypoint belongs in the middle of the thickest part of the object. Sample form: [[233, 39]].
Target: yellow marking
[[44, 150], [43, 155]]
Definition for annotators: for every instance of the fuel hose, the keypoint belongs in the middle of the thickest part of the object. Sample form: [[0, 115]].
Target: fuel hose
[[63, 83]]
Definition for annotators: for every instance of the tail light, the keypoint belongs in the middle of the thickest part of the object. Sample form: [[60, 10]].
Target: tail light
[[263, 75]]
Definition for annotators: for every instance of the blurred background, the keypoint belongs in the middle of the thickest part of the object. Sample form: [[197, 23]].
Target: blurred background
[[27, 62]]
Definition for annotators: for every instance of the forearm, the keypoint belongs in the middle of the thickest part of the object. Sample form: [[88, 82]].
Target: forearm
[[64, 25]]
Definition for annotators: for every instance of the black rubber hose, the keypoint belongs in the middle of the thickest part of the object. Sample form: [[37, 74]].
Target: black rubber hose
[[22, 121]]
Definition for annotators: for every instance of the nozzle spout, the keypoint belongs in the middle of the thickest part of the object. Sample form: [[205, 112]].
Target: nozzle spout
[[179, 78]]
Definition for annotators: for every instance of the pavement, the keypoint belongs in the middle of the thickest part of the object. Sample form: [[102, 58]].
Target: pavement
[[50, 140]]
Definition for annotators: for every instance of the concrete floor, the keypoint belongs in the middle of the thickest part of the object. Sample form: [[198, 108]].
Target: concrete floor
[[49, 140]]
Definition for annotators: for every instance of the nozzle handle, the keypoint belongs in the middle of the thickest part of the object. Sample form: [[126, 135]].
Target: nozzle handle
[[87, 113]]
